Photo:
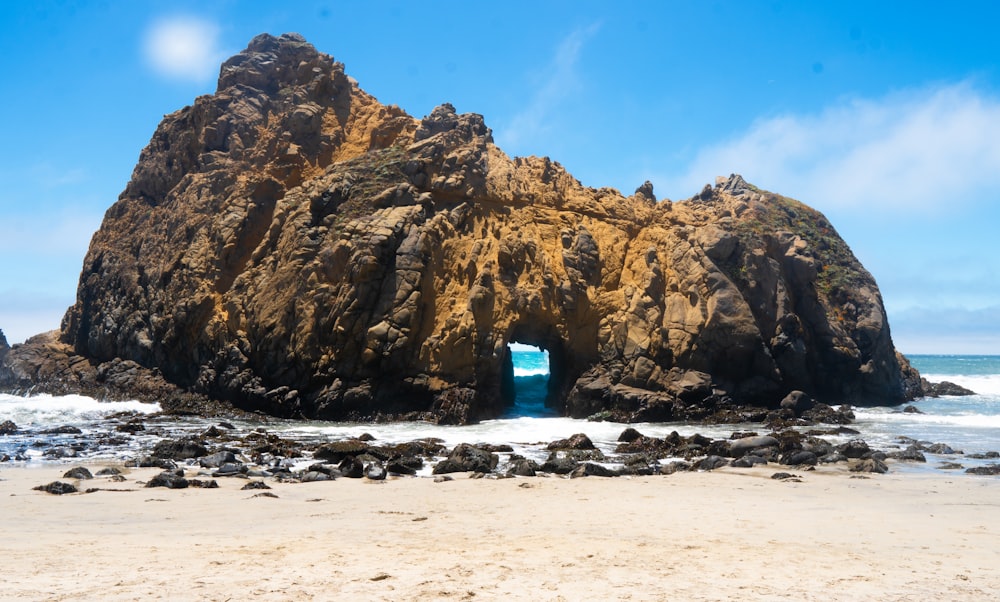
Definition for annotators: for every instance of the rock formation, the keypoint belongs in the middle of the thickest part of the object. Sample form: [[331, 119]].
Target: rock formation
[[293, 246]]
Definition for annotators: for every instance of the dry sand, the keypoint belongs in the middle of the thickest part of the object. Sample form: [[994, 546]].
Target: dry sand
[[692, 536]]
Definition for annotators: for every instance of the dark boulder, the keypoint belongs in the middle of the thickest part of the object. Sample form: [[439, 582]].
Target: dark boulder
[[944, 388], [855, 448], [57, 488], [7, 427], [589, 469], [988, 470], [336, 451], [522, 467], [800, 458], [255, 485], [910, 454], [798, 402], [577, 441], [217, 459], [748, 461], [675, 466], [63, 430], [351, 467], [629, 435], [376, 472], [710, 463], [199, 484], [179, 449], [79, 472], [557, 464], [740, 447], [942, 449], [405, 465], [170, 480], [467, 458], [873, 465]]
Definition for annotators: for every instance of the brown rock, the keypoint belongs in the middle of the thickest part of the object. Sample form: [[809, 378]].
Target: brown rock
[[291, 245]]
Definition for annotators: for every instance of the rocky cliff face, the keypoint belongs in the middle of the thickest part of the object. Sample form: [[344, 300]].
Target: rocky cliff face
[[293, 246]]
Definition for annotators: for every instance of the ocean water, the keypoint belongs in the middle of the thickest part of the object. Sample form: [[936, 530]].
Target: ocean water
[[970, 424]]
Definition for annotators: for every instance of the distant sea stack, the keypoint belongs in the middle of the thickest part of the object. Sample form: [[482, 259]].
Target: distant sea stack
[[293, 246]]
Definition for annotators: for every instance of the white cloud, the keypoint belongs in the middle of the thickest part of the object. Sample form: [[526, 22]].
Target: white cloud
[[558, 81], [919, 149], [184, 48]]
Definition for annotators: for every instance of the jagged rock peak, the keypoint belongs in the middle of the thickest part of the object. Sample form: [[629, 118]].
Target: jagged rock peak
[[269, 63], [444, 119], [646, 191], [734, 185]]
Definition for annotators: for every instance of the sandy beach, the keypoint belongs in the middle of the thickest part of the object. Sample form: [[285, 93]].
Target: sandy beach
[[689, 536]]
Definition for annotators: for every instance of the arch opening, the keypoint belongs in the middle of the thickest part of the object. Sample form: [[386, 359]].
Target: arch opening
[[532, 378]]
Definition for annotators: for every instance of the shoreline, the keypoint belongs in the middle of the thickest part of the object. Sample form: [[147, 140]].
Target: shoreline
[[698, 536]]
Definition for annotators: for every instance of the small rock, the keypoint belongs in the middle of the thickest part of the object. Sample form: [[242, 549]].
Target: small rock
[[798, 402], [629, 435], [168, 480], [255, 485], [589, 469], [710, 463], [870, 465], [577, 441], [213, 484], [57, 488], [989, 469], [747, 461], [375, 472], [855, 448], [7, 427], [78, 473]]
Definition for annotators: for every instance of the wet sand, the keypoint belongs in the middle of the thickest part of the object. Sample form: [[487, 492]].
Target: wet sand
[[729, 534]]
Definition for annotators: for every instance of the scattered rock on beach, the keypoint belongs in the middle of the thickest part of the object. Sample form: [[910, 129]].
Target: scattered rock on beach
[[79, 472], [589, 469], [198, 483], [910, 454], [7, 427], [577, 441], [467, 458], [255, 485], [335, 451], [989, 470], [57, 488], [870, 465], [179, 449], [741, 447], [169, 480]]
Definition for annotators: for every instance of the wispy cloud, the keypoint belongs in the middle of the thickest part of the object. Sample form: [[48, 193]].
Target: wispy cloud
[[184, 48], [558, 81], [919, 149]]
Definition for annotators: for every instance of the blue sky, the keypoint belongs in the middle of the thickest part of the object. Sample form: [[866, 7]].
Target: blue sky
[[883, 115]]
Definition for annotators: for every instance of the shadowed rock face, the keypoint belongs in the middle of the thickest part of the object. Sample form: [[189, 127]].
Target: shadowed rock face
[[293, 246]]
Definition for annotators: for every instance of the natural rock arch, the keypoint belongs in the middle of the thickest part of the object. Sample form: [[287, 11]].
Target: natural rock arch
[[293, 246]]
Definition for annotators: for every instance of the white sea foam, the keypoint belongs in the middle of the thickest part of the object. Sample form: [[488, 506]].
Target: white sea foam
[[983, 384], [530, 371], [966, 420], [48, 410]]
